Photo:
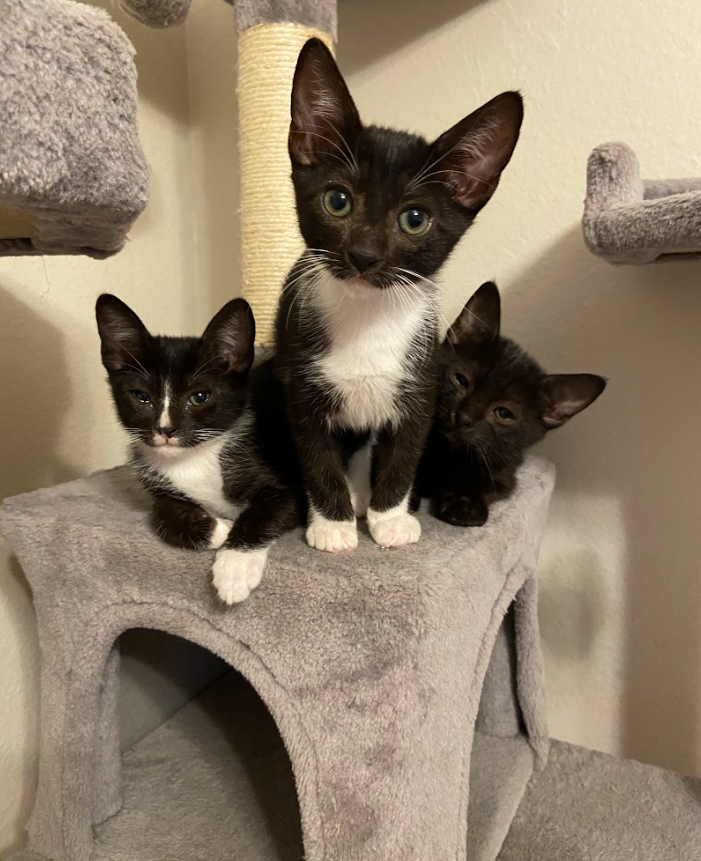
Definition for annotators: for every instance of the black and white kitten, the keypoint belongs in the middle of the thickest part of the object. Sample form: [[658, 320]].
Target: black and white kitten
[[209, 440], [494, 402], [380, 211]]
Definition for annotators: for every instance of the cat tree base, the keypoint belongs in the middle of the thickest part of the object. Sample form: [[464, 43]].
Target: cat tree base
[[373, 665]]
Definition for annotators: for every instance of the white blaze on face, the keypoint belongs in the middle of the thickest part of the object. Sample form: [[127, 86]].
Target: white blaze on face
[[164, 420]]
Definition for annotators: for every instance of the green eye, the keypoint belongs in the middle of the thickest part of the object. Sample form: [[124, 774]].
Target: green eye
[[462, 380], [505, 414], [338, 202], [196, 399], [141, 397], [414, 221]]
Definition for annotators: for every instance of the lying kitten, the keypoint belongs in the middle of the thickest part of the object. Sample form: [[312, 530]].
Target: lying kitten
[[209, 441], [494, 402], [380, 211]]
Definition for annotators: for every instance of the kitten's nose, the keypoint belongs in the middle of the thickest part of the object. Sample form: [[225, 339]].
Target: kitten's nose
[[167, 432], [464, 420], [363, 259]]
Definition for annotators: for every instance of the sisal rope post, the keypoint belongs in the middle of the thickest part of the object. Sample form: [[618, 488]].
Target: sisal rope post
[[270, 238]]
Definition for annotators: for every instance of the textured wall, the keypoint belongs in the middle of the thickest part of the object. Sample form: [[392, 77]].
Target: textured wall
[[621, 566]]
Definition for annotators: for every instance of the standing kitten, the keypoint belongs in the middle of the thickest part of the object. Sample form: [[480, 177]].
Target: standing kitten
[[494, 402], [380, 211], [209, 441]]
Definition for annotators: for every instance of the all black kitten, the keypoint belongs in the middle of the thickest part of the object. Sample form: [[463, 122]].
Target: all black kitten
[[494, 402], [209, 440], [380, 211]]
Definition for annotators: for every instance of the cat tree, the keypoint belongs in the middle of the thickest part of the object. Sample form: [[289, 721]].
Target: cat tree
[[631, 220], [403, 683], [372, 665], [73, 177]]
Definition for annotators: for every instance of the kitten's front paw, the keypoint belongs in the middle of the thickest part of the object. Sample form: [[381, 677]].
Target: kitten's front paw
[[333, 536], [220, 533], [462, 510], [236, 573], [393, 529]]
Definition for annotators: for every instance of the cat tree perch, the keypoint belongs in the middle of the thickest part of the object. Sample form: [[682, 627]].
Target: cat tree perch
[[631, 220], [73, 177], [372, 665]]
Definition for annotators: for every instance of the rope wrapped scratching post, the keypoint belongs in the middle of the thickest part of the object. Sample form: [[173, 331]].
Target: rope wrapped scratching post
[[271, 36]]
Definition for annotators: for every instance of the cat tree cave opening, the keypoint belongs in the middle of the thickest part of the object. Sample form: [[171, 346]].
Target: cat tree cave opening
[[205, 772]]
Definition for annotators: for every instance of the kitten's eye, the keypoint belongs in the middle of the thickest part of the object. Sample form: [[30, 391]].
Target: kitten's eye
[[414, 221], [141, 397], [462, 380], [504, 414], [196, 399], [338, 202]]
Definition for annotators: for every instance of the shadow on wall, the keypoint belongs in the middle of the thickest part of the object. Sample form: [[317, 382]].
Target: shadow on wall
[[639, 326], [34, 385], [392, 29]]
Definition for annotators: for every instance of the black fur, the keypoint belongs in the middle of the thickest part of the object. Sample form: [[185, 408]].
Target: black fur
[[472, 453], [383, 174], [258, 463]]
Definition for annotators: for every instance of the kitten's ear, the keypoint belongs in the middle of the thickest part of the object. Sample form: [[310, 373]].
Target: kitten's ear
[[565, 395], [474, 152], [480, 319], [229, 337], [325, 120], [124, 337]]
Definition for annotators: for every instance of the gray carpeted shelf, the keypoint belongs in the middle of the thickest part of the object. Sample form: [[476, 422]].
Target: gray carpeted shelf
[[377, 667], [630, 220]]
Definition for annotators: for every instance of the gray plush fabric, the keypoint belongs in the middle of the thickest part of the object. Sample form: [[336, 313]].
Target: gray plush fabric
[[371, 663], [215, 783], [158, 13], [320, 14], [69, 148], [587, 806], [628, 220]]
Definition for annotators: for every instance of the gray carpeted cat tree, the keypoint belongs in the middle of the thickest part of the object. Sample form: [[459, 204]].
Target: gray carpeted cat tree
[[400, 714], [631, 220]]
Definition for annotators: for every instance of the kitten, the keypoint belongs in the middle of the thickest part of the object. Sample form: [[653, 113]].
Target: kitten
[[209, 440], [380, 211], [494, 402]]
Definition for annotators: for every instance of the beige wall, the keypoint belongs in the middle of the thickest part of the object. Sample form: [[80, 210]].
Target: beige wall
[[621, 564], [620, 572]]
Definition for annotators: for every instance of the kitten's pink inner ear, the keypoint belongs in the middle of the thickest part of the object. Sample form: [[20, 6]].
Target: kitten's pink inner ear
[[480, 319], [476, 150], [231, 335], [565, 395], [324, 117], [122, 334]]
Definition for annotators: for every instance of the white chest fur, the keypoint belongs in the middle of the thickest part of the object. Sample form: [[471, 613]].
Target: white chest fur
[[371, 334], [195, 472]]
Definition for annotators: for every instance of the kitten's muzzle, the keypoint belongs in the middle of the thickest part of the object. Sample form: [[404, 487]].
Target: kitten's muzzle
[[464, 420], [362, 260], [166, 436]]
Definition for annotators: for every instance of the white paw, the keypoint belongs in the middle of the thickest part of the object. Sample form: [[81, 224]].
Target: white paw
[[394, 530], [333, 536], [220, 533], [236, 573]]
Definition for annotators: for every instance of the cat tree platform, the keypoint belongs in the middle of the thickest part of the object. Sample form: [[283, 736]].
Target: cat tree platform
[[375, 667], [631, 220], [73, 177]]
